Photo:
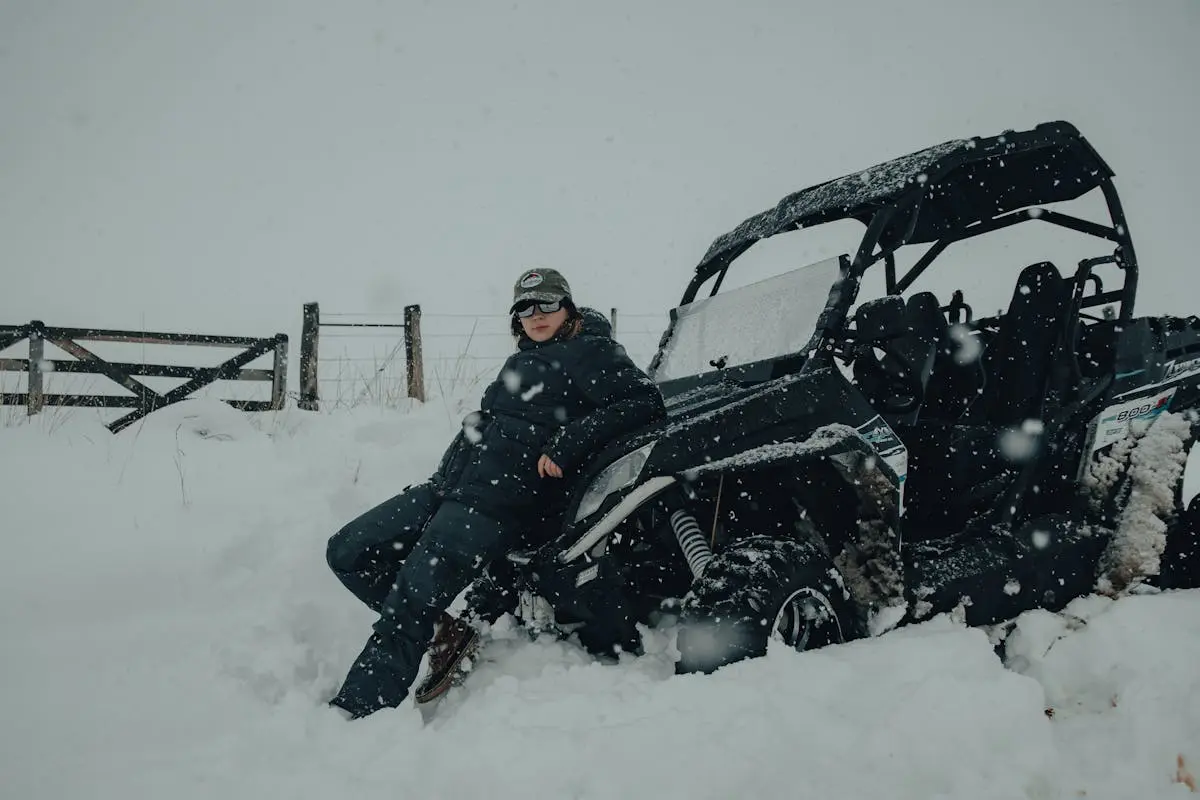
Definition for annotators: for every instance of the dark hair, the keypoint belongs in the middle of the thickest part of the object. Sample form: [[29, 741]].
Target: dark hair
[[571, 326]]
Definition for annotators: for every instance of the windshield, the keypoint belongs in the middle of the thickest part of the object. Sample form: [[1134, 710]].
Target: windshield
[[767, 319]]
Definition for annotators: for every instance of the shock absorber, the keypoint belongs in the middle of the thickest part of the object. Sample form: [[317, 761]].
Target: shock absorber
[[691, 541]]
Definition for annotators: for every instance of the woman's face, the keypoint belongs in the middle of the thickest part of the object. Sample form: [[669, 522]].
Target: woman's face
[[542, 327]]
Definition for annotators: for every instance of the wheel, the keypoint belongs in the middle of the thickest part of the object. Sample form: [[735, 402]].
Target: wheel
[[1180, 561], [757, 590]]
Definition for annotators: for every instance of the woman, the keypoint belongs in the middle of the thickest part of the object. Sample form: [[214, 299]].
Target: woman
[[568, 390]]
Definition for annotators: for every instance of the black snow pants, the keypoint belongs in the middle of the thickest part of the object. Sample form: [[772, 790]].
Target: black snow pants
[[407, 559]]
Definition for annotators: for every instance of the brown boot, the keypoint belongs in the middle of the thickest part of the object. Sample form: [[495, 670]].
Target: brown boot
[[453, 641]]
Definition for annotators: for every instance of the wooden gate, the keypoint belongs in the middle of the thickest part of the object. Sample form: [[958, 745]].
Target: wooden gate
[[143, 399], [310, 337]]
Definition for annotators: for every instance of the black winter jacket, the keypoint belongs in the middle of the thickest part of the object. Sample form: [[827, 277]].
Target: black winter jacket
[[566, 398]]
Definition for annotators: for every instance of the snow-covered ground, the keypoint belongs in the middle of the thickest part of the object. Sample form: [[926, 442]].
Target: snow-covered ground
[[170, 629]]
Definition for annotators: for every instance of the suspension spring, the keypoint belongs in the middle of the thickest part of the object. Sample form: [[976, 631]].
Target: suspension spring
[[691, 541]]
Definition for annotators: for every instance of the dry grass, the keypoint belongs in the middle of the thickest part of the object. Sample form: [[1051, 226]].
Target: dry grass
[[1183, 774], [53, 415]]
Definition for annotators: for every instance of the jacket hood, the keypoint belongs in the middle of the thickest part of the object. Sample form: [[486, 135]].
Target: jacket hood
[[595, 323]]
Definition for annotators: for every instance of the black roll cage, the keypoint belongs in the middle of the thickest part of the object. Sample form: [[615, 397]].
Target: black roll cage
[[891, 220]]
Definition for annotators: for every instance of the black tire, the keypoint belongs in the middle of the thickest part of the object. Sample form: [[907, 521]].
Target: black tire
[[1180, 562], [756, 589]]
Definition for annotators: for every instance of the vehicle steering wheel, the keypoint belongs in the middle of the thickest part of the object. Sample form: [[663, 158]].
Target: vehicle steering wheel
[[897, 387]]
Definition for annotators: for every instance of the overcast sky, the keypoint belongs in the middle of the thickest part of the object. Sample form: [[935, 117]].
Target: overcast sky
[[210, 166]]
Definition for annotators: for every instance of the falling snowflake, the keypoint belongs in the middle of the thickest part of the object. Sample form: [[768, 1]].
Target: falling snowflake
[[1018, 445], [471, 427], [967, 348]]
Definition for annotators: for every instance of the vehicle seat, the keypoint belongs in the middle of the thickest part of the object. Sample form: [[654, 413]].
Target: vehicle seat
[[957, 378], [1017, 361], [911, 352], [956, 468]]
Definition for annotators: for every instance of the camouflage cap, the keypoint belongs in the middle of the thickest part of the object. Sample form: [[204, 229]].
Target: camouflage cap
[[540, 285]]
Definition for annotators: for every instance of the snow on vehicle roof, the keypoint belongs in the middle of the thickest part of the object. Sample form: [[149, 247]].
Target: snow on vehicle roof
[[963, 181]]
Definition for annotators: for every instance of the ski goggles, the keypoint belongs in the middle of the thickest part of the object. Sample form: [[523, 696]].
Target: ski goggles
[[526, 311]]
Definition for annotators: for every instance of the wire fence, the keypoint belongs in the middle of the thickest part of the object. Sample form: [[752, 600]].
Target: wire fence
[[461, 353]]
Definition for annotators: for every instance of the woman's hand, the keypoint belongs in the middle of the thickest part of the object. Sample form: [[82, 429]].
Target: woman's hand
[[548, 467]]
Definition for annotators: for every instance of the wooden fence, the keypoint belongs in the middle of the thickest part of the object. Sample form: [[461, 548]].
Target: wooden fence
[[419, 366], [143, 399], [310, 338]]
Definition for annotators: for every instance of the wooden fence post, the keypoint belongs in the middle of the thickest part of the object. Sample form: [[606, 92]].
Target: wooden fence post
[[414, 363], [309, 344], [612, 319], [37, 354], [279, 372]]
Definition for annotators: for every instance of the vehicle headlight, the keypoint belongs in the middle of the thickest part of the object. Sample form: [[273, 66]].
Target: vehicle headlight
[[613, 478]]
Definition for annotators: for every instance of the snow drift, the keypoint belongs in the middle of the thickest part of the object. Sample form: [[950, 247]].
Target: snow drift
[[170, 629]]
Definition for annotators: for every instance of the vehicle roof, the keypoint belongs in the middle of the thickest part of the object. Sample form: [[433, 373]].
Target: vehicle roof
[[960, 182]]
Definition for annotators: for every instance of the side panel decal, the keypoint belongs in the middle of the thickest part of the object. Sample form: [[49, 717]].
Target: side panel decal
[[890, 449]]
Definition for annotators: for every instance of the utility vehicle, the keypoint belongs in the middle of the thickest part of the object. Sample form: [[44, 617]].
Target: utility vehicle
[[832, 467]]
